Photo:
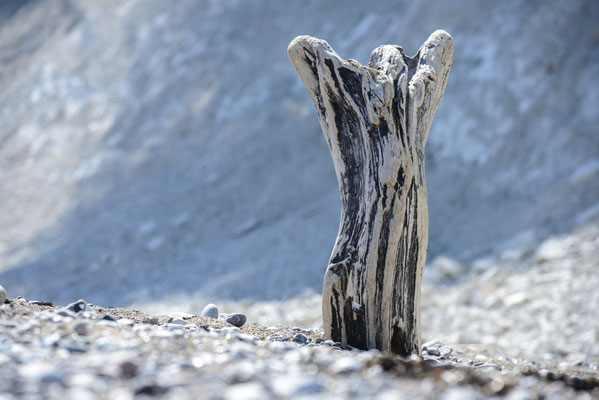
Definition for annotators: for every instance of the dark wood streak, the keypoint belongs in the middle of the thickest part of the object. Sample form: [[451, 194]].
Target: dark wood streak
[[336, 325], [405, 280], [352, 83]]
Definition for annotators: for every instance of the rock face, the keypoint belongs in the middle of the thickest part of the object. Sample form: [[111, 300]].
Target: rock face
[[148, 150]]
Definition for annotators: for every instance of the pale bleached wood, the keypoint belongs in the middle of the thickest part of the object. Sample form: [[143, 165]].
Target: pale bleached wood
[[376, 119]]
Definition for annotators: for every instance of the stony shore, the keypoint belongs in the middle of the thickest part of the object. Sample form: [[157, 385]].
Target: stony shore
[[84, 352], [520, 324]]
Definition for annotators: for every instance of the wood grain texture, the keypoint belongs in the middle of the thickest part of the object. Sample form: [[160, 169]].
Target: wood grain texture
[[376, 119]]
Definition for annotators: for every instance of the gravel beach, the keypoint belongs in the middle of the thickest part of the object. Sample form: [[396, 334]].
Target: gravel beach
[[518, 324], [522, 327], [48, 351]]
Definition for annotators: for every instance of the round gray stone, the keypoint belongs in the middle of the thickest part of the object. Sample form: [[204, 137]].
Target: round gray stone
[[300, 338], [433, 351], [81, 328], [109, 317], [2, 295], [210, 311], [236, 319], [150, 320]]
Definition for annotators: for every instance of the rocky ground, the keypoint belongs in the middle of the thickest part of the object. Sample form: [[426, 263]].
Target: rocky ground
[[82, 351], [533, 302], [520, 324], [529, 300]]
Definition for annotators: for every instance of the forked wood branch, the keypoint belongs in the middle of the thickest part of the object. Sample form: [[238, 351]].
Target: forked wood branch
[[376, 119]]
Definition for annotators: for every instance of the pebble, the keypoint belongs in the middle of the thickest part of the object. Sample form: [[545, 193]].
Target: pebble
[[150, 320], [346, 365], [81, 328], [2, 295], [128, 369], [343, 346], [481, 358], [247, 338], [300, 338], [210, 311], [109, 317], [247, 391], [125, 322], [437, 349], [236, 319], [151, 389], [75, 345], [551, 249], [41, 371], [445, 351], [179, 321], [433, 351], [547, 374], [79, 306], [297, 386]]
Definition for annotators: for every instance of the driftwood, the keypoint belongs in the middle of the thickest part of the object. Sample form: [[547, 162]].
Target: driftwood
[[376, 119]]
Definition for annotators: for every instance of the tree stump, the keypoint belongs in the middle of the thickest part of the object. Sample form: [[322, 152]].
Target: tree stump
[[376, 119]]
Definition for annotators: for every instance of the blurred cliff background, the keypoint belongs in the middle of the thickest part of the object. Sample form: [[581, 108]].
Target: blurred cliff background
[[155, 152]]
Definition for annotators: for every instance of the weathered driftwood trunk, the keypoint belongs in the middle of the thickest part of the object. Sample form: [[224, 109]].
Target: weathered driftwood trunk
[[376, 119]]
